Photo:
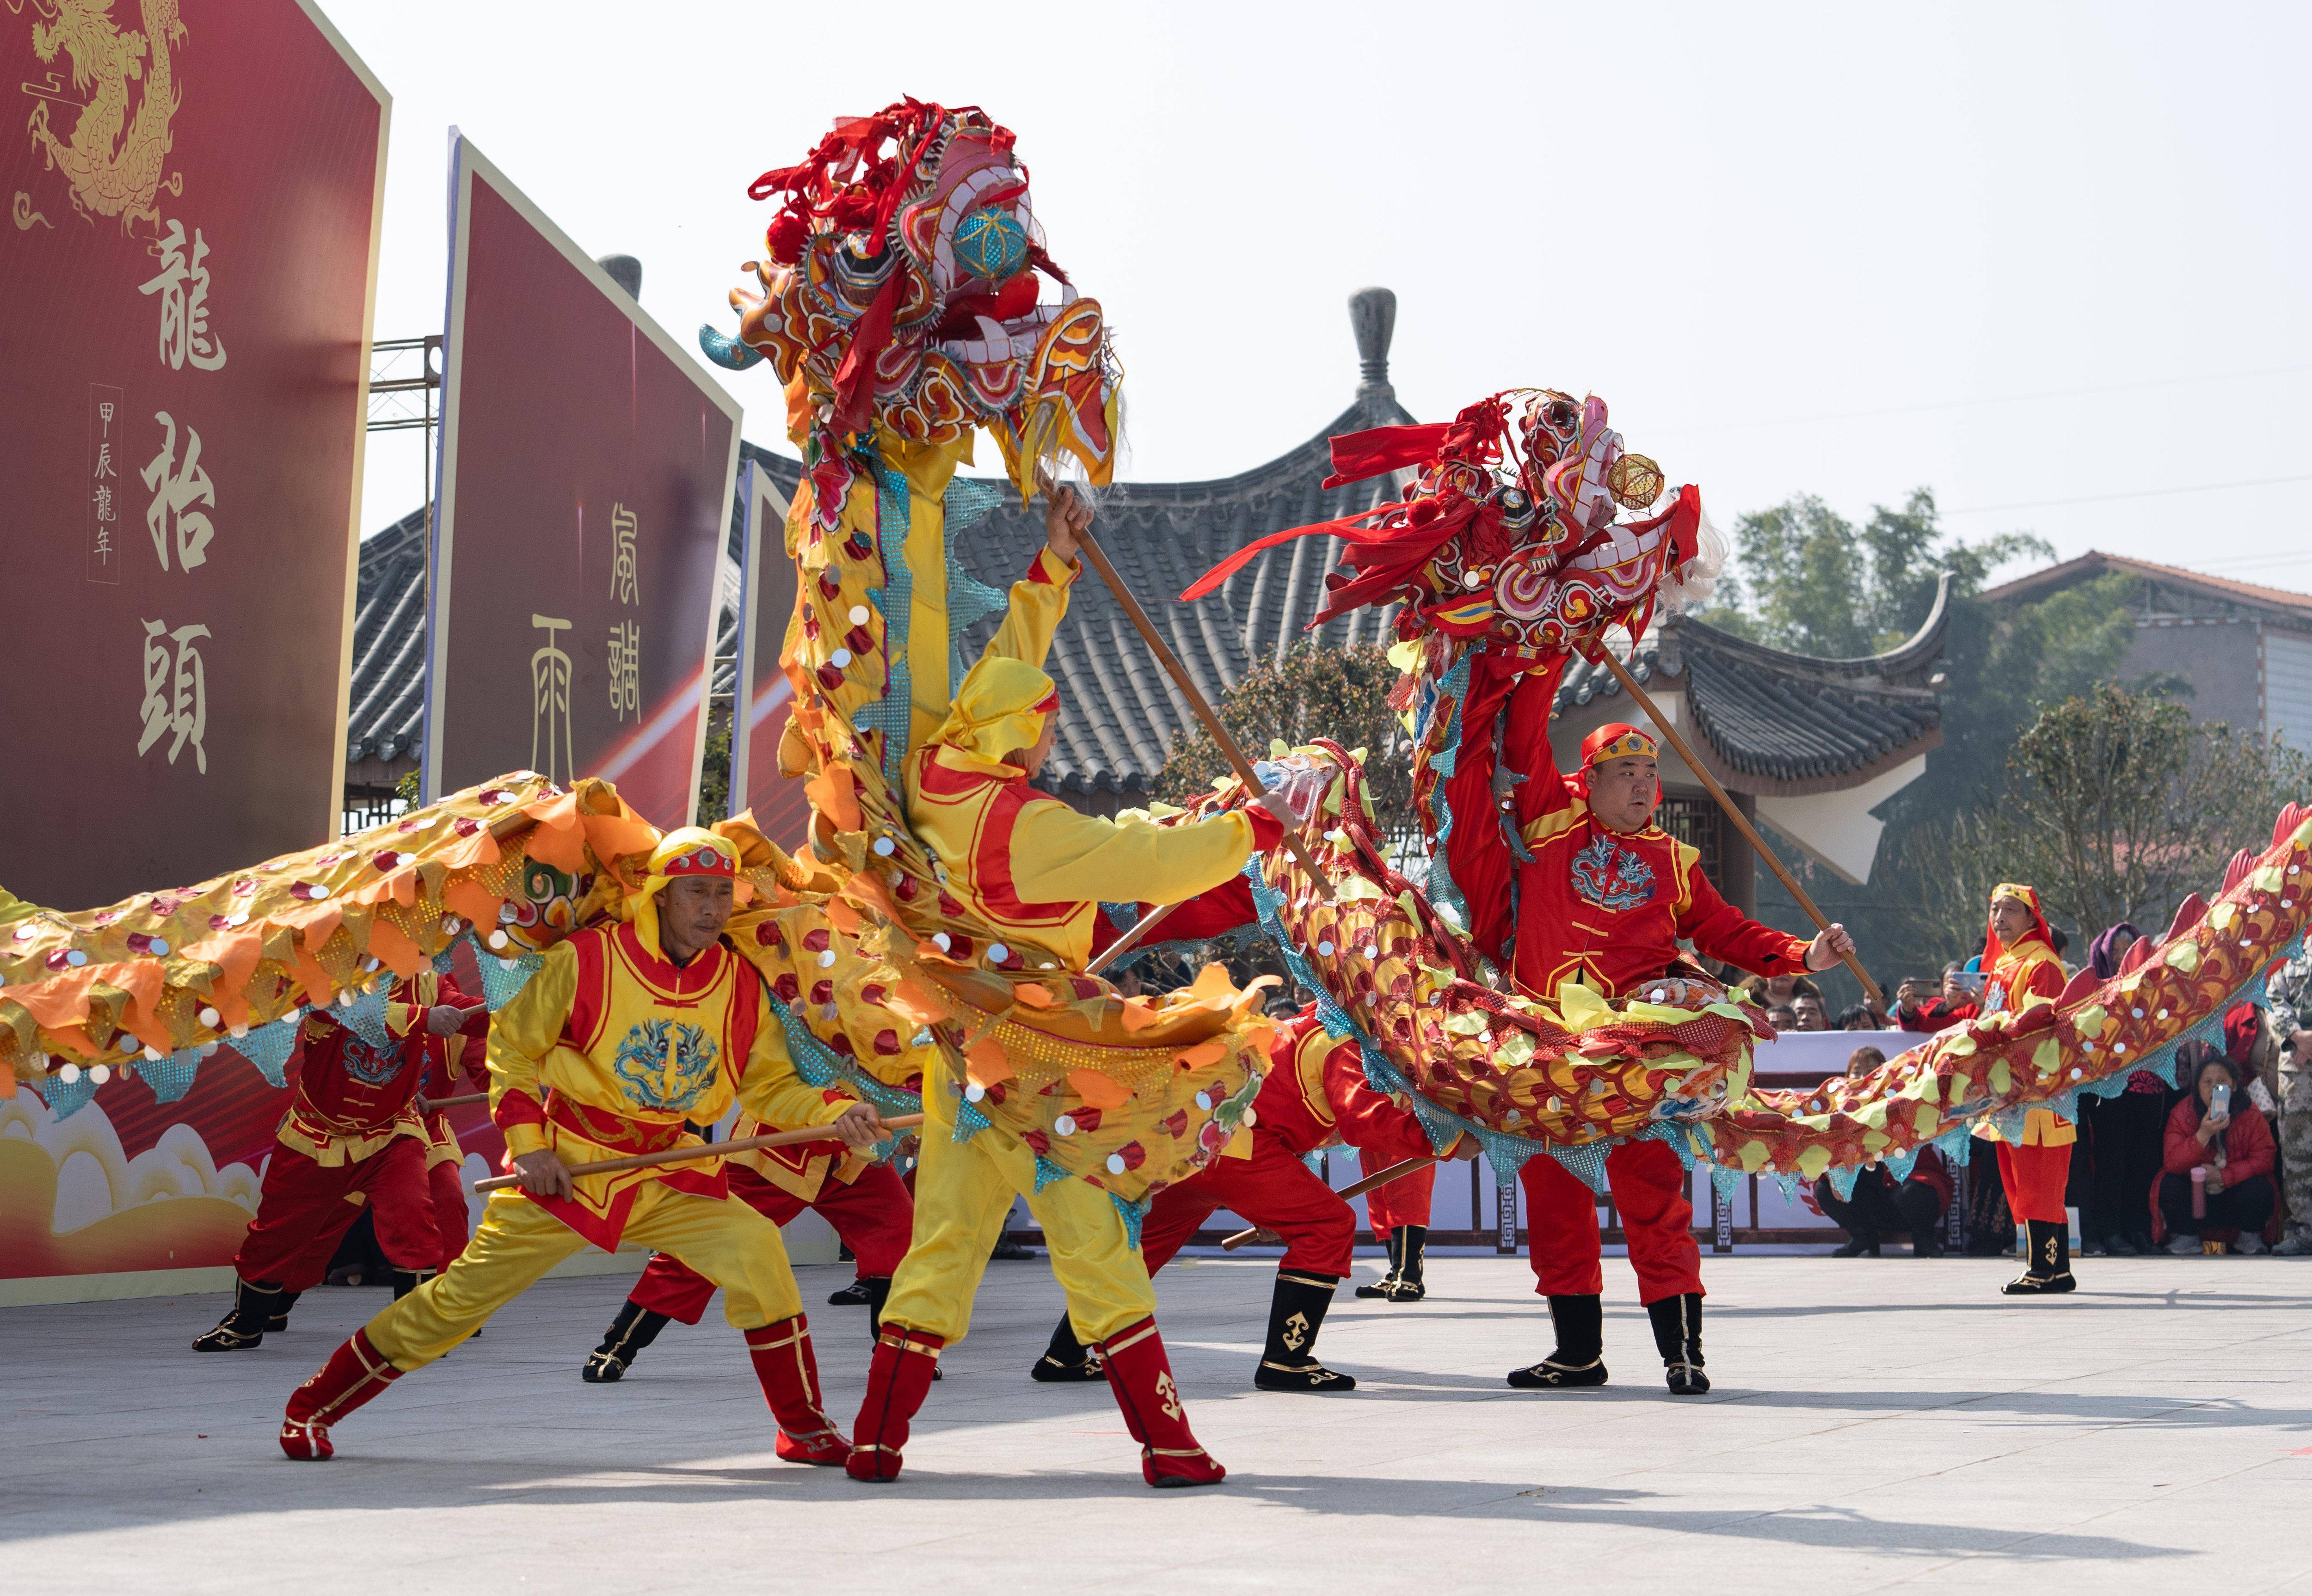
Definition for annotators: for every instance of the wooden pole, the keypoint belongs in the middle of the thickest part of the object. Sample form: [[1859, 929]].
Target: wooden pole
[[1741, 821], [428, 1105], [1124, 944], [644, 1161], [1098, 556], [1395, 1172]]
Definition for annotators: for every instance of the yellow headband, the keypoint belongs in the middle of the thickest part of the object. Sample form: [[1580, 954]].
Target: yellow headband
[[686, 851]]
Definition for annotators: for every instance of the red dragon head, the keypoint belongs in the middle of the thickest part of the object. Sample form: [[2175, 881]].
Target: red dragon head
[[1508, 530], [903, 293]]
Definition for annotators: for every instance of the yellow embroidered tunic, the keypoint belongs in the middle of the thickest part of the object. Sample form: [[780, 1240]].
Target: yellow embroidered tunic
[[610, 1049]]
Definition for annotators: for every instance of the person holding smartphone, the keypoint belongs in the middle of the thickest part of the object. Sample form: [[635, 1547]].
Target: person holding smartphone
[[2217, 1130]]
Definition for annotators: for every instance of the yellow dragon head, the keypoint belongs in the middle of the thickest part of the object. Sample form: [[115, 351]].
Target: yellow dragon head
[[902, 294]]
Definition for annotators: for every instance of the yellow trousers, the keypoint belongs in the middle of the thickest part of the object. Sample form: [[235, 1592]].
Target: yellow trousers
[[963, 1190], [518, 1241]]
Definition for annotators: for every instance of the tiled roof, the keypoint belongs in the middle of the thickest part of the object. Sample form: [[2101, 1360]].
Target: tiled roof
[[2037, 584], [1766, 713], [1786, 717]]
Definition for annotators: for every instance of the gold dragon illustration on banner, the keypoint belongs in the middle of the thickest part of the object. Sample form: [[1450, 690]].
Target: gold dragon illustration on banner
[[114, 162]]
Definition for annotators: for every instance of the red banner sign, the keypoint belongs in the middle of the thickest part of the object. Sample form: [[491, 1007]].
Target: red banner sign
[[762, 695], [578, 549], [190, 264]]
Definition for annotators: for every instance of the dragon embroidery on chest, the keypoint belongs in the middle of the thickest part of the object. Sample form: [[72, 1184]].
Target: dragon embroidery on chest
[[368, 1065], [666, 1065], [1613, 877]]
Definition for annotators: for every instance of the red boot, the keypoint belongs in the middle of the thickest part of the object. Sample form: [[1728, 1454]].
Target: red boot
[[355, 1372], [898, 1381], [790, 1376], [1141, 1376]]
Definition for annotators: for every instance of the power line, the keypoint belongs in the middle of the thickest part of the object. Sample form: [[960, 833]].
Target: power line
[[1963, 404], [2143, 493]]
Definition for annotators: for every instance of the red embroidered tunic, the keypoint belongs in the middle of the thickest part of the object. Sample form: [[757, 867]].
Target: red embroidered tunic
[[1608, 909], [351, 1098]]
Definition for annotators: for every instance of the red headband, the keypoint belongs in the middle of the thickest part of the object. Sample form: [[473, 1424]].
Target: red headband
[[702, 860]]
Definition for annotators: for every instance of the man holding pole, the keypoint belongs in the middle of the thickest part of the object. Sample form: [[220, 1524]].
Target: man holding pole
[[352, 1138], [1604, 900], [1035, 871], [624, 1033]]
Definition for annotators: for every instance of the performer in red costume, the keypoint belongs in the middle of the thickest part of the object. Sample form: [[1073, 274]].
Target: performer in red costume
[[351, 1138], [1315, 1095], [866, 1203], [1398, 1214], [447, 1058], [2019, 954], [1603, 900]]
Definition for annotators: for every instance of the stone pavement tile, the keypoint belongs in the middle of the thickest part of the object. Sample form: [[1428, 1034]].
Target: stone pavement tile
[[1875, 1423]]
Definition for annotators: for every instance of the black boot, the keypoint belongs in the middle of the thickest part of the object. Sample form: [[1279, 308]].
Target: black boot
[[1412, 1241], [1678, 1336], [277, 1319], [1295, 1314], [2049, 1272], [853, 1294], [254, 1304], [406, 1281], [1579, 1359], [1859, 1244], [636, 1328], [874, 1290], [1067, 1360], [1387, 1283]]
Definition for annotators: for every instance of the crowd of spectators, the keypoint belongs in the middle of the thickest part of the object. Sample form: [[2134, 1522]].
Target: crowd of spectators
[[2221, 1161]]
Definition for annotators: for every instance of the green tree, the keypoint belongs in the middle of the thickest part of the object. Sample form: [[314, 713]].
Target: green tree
[[1314, 692], [1804, 578], [2119, 803], [715, 770]]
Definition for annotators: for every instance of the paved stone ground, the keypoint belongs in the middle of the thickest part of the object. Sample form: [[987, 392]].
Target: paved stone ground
[[1876, 1423]]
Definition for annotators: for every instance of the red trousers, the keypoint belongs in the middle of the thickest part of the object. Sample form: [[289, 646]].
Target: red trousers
[[1403, 1201], [2034, 1178], [873, 1215], [446, 1183], [1650, 1196], [306, 1209], [1273, 1188]]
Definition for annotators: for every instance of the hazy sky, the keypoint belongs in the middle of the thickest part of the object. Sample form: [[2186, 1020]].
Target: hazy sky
[[2049, 260]]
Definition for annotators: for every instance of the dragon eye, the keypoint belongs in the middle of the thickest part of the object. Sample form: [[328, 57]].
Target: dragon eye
[[990, 243]]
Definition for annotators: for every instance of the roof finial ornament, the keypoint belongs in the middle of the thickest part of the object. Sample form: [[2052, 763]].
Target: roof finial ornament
[[1372, 314], [626, 272]]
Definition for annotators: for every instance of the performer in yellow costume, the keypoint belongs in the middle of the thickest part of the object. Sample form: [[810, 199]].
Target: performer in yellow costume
[[2019, 957], [626, 1031], [1036, 870]]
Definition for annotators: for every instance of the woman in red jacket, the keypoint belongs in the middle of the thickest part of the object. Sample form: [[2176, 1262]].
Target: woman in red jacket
[[2235, 1147]]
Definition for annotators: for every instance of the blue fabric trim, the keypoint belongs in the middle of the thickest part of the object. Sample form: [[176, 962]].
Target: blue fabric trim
[[820, 1065], [366, 1018], [503, 979], [1842, 1183], [968, 1120], [66, 1099], [969, 599], [171, 1077], [1586, 1163], [268, 1048], [1047, 1173], [1132, 1213], [889, 716]]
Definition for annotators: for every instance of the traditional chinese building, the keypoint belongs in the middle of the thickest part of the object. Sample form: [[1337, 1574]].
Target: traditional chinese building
[[1808, 746]]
